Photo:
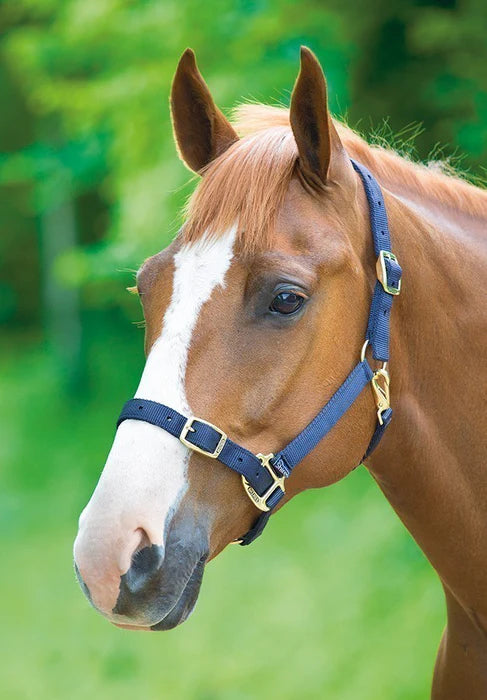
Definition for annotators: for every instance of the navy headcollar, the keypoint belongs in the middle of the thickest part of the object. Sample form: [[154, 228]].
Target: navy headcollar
[[263, 476]]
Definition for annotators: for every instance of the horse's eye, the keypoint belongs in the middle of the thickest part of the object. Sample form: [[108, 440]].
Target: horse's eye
[[287, 303]]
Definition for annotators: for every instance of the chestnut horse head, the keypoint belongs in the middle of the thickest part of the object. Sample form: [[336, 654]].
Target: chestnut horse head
[[255, 314]]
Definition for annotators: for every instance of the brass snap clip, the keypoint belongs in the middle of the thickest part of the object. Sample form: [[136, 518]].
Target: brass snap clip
[[381, 389]]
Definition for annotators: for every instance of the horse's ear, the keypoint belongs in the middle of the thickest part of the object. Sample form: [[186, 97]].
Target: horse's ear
[[201, 131], [317, 139]]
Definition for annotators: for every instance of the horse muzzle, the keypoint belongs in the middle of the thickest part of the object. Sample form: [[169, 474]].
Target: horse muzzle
[[159, 589]]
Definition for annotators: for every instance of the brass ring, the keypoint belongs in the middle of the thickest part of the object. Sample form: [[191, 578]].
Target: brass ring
[[362, 352], [362, 355]]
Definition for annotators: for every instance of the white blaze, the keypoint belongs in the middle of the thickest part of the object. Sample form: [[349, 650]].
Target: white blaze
[[145, 475]]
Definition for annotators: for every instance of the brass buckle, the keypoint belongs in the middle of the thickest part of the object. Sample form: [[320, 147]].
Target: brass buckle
[[188, 428], [381, 270], [380, 386], [261, 501]]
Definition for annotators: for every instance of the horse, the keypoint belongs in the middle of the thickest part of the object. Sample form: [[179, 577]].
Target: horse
[[255, 315]]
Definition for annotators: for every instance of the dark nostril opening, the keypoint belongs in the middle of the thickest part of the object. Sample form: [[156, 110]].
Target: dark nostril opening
[[146, 561]]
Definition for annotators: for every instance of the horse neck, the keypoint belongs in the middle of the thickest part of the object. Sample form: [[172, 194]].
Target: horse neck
[[431, 463]]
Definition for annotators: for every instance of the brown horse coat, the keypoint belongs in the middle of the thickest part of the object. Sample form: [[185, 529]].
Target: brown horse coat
[[279, 206]]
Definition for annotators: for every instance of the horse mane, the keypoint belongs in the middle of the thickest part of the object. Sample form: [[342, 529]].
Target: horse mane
[[249, 181]]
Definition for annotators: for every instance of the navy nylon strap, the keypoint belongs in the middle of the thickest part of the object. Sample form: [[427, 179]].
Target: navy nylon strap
[[199, 435], [295, 451], [377, 212], [321, 425], [378, 327], [241, 460], [203, 436], [378, 432], [256, 530]]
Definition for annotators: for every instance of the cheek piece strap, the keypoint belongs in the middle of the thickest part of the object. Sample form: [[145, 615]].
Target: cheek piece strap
[[263, 476]]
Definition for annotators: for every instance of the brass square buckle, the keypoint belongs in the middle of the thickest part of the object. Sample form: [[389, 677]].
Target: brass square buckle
[[261, 501], [188, 428], [381, 270]]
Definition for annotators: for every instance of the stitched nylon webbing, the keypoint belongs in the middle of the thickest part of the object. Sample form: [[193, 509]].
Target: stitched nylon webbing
[[241, 460]]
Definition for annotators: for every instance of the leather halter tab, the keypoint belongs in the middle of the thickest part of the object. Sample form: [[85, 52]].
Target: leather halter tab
[[263, 476]]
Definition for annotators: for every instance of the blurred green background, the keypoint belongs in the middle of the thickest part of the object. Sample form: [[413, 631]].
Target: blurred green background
[[335, 601]]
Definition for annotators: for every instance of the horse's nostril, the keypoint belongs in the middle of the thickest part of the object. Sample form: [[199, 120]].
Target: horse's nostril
[[146, 561]]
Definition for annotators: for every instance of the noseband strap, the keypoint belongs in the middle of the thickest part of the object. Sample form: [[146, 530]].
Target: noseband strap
[[263, 476]]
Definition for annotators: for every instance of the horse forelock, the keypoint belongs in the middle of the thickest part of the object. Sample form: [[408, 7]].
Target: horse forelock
[[246, 184]]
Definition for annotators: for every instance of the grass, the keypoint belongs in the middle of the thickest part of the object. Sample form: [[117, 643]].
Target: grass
[[334, 601]]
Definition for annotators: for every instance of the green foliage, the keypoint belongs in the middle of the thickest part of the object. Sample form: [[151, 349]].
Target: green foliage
[[87, 85], [90, 184], [101, 72]]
